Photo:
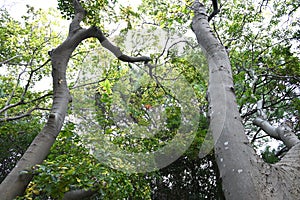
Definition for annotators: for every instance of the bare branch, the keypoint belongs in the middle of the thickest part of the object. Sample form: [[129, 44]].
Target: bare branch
[[8, 60], [88, 84], [15, 88], [27, 114], [264, 3], [30, 78], [215, 11], [24, 102], [165, 48], [280, 133], [96, 32], [21, 101]]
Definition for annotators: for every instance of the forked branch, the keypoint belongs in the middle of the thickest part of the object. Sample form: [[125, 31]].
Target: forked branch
[[216, 9], [96, 32]]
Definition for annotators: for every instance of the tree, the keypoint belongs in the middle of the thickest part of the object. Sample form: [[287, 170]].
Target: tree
[[15, 184], [244, 175], [24, 64]]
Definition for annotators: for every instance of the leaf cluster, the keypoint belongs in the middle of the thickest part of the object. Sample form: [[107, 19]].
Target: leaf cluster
[[97, 11], [69, 166]]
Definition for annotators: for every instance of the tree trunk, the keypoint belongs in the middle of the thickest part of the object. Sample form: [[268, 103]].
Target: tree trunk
[[244, 175]]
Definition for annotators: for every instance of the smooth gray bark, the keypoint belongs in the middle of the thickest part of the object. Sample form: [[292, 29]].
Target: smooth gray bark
[[16, 182], [282, 133], [244, 175]]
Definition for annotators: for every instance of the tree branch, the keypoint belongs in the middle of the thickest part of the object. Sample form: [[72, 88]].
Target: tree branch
[[97, 33], [78, 194], [24, 102], [282, 133], [30, 78], [27, 114], [79, 16], [8, 60], [215, 11]]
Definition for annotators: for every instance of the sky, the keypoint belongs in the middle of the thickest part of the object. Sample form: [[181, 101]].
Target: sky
[[17, 8]]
